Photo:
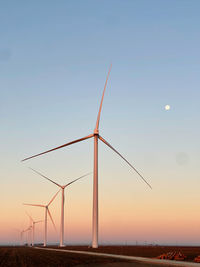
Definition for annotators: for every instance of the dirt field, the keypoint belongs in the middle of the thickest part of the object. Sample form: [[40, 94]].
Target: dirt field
[[30, 257], [142, 251]]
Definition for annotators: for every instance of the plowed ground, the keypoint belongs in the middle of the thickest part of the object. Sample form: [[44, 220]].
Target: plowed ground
[[142, 251], [30, 257]]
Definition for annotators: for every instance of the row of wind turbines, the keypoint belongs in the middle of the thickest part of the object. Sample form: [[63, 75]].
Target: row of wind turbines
[[47, 211], [95, 218]]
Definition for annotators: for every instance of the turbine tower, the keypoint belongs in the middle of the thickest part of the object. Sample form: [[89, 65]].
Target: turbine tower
[[62, 202], [47, 212], [96, 137]]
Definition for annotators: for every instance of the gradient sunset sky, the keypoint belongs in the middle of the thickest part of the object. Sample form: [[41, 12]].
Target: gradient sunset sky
[[54, 58]]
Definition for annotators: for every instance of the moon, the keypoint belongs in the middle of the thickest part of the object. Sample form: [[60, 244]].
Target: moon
[[167, 107]]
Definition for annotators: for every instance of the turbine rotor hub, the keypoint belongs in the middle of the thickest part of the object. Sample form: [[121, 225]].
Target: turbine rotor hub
[[96, 132]]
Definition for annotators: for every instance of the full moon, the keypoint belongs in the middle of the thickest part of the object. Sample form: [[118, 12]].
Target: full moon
[[167, 107]]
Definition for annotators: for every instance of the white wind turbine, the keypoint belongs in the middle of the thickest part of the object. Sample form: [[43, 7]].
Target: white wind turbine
[[96, 137], [62, 202], [20, 236], [28, 232], [45, 215], [33, 227]]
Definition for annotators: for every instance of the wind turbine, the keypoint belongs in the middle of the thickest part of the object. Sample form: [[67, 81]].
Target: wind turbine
[[33, 227], [96, 137], [45, 215], [20, 235], [62, 202], [28, 231]]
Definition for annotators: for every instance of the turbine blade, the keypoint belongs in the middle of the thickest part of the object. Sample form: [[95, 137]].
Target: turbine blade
[[45, 177], [104, 141], [51, 219], [53, 198], [76, 179], [35, 205], [67, 144], [38, 221], [29, 216], [99, 114]]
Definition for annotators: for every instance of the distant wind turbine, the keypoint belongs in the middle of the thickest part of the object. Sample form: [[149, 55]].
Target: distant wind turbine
[[21, 232], [45, 215], [33, 227], [28, 232], [62, 202], [96, 136], [21, 237]]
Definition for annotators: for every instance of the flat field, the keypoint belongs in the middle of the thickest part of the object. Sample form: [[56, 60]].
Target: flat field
[[30, 257], [142, 251]]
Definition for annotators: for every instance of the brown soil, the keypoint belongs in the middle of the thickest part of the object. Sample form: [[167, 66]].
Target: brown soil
[[142, 251], [30, 257]]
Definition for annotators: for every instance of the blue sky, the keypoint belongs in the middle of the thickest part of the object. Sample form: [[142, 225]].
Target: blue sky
[[54, 57]]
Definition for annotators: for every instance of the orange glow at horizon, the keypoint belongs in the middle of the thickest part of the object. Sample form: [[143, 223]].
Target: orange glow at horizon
[[128, 218]]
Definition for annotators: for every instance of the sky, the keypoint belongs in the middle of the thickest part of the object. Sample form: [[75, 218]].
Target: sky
[[54, 58]]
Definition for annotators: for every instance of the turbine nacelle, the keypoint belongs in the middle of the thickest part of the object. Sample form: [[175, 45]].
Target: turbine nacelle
[[96, 132]]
